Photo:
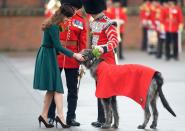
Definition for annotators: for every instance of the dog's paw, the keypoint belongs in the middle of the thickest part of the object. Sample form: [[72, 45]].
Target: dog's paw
[[141, 127], [153, 126], [105, 126], [115, 126]]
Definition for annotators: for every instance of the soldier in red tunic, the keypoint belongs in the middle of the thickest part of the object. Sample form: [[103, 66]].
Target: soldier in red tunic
[[145, 22], [118, 14], [51, 7], [104, 37], [73, 36], [154, 28], [160, 28], [173, 22]]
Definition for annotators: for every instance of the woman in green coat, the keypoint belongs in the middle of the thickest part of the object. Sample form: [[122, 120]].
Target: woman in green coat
[[47, 74]]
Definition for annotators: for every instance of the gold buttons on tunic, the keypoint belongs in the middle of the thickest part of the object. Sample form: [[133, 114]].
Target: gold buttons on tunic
[[141, 100]]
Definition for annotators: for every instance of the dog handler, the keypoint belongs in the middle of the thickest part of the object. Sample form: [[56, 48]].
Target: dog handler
[[104, 37]]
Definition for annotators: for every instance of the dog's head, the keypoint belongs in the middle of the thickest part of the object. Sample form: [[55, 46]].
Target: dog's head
[[89, 58]]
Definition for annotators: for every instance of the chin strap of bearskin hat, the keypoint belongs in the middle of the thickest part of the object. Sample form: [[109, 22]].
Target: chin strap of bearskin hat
[[80, 75]]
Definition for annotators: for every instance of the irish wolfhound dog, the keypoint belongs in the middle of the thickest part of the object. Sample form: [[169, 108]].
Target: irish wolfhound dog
[[110, 105]]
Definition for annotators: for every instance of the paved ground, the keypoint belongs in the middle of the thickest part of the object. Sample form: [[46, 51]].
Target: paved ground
[[20, 105]]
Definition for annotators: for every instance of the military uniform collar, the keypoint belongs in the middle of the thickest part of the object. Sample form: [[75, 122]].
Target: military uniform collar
[[99, 16], [79, 13]]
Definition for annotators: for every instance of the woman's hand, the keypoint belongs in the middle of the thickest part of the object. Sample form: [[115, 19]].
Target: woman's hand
[[78, 56]]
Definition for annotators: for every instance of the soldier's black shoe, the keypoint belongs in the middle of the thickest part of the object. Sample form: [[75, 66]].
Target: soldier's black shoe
[[51, 121], [158, 56], [121, 57], [97, 124], [72, 122], [176, 58], [167, 58]]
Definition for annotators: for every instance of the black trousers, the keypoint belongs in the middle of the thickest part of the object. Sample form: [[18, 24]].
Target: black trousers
[[160, 47], [144, 39], [101, 116], [72, 97], [120, 47], [171, 38]]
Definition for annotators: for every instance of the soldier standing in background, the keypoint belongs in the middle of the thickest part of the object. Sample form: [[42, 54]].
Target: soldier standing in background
[[145, 22], [51, 7], [118, 14], [155, 26], [73, 36], [161, 30], [173, 22]]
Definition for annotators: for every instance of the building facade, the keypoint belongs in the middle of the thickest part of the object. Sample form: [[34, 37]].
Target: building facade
[[20, 22]]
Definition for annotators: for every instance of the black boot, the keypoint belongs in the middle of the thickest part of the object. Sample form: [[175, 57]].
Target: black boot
[[73, 122], [97, 124]]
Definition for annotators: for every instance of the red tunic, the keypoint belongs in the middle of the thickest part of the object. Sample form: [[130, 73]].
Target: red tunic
[[130, 80], [104, 34], [156, 17], [73, 30], [172, 18], [145, 14], [117, 14]]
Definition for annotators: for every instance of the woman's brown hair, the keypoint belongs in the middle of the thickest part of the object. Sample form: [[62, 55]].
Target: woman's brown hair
[[66, 10]]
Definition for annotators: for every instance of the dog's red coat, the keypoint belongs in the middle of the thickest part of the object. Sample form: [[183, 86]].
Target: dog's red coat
[[131, 80]]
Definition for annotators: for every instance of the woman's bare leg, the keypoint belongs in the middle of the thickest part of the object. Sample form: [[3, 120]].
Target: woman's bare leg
[[47, 102], [59, 105]]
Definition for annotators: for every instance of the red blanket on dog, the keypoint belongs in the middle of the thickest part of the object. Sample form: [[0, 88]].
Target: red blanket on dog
[[129, 80]]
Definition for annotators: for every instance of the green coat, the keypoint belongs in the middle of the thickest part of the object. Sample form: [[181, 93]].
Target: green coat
[[47, 74]]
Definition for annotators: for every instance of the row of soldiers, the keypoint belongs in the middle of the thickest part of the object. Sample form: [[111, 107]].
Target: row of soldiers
[[162, 24]]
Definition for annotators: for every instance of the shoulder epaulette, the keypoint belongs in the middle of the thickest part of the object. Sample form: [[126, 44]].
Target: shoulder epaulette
[[109, 22]]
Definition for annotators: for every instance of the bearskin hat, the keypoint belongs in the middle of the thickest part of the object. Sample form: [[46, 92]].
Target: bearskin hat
[[174, 1], [75, 3], [113, 1], [94, 6]]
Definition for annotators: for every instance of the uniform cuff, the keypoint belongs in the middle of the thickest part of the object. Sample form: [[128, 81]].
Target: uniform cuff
[[105, 49]]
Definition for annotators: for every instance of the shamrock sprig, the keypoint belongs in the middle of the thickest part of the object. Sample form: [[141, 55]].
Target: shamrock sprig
[[96, 53]]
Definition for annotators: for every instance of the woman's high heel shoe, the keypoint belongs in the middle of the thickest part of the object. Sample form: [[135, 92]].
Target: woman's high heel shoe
[[47, 125], [57, 119]]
